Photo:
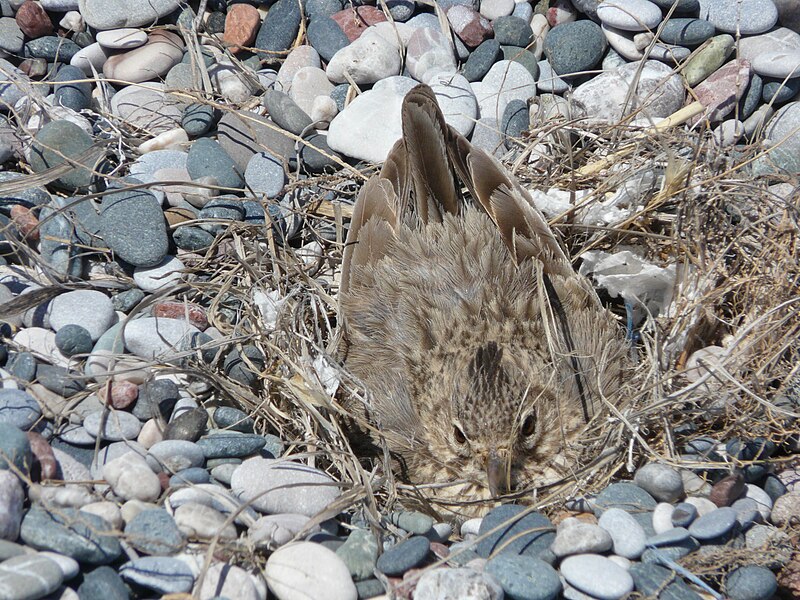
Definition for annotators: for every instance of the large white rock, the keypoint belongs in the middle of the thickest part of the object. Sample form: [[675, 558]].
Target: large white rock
[[307, 570], [375, 55]]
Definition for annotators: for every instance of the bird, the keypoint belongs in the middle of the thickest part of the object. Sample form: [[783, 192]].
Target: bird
[[484, 354]]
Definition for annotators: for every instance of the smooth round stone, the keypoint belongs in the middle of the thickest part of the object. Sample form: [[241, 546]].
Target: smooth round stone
[[131, 478], [73, 339], [90, 309], [630, 15], [167, 272], [279, 29], [786, 509], [29, 576], [481, 60], [773, 54], [207, 157], [661, 481], [524, 57], [506, 81], [189, 477], [524, 577], [132, 224], [12, 498], [102, 584], [85, 537], [576, 537], [714, 524], [359, 552], [403, 556], [70, 91], [512, 31], [12, 40], [575, 47], [326, 37], [708, 60], [14, 445], [19, 408], [530, 534], [160, 574], [276, 486], [747, 512], [154, 531], [197, 119], [492, 9], [684, 514], [747, 17], [228, 417], [412, 522], [271, 531], [761, 498], [458, 583], [372, 57], [121, 39], [548, 81], [52, 48], [118, 425], [778, 91], [627, 535], [428, 53], [224, 472], [265, 175], [703, 505], [111, 14], [59, 380], [751, 583], [597, 576], [231, 444], [655, 581], [203, 522], [687, 32], [63, 138], [626, 496], [662, 517], [309, 567]]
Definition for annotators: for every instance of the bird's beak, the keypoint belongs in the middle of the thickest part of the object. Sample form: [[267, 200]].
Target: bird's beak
[[497, 474]]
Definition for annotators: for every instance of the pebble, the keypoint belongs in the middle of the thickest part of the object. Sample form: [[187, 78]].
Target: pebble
[[278, 486], [786, 509], [687, 32], [597, 576], [202, 522], [113, 426], [72, 339], [761, 498], [18, 408], [750, 583], [630, 15], [207, 157], [524, 577], [29, 576], [684, 514], [14, 445], [531, 534], [161, 574], [403, 556], [714, 524], [747, 17], [103, 583], [707, 60], [371, 58], [131, 478], [627, 535], [463, 583], [574, 47], [576, 537], [308, 570], [662, 482], [12, 498], [154, 531]]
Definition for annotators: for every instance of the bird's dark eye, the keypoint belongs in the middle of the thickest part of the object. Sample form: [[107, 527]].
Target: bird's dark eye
[[459, 435], [528, 426]]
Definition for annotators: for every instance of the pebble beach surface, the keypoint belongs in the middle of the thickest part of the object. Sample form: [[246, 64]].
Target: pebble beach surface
[[133, 134]]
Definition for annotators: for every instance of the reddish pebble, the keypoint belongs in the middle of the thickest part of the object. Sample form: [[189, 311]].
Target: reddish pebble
[[726, 491], [163, 479], [26, 222], [33, 20], [241, 26], [123, 394], [354, 21], [721, 92], [181, 310], [440, 550], [35, 68], [44, 461], [469, 25]]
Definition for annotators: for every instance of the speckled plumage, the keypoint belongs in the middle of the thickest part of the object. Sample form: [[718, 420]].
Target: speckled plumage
[[483, 351]]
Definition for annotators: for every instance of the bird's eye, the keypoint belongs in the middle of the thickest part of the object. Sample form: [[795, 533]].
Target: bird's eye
[[528, 426], [459, 435]]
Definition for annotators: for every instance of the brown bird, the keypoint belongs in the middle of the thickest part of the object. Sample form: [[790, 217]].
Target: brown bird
[[484, 353]]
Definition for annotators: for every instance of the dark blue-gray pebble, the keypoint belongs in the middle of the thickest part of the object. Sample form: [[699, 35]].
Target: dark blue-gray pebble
[[401, 10], [704, 447], [85, 217], [125, 301], [774, 487], [83, 536], [215, 23], [73, 339], [207, 157], [285, 111], [684, 6], [687, 32], [627, 496], [339, 95], [15, 449], [531, 534], [684, 514], [236, 368], [369, 588], [133, 225], [188, 425], [669, 537], [159, 573], [512, 31], [313, 154], [714, 524], [404, 556], [274, 445], [154, 531], [52, 47], [322, 8], [747, 512], [656, 581], [197, 119], [326, 37], [228, 417], [76, 94], [189, 476], [223, 208], [58, 139], [673, 552], [481, 59], [103, 584], [515, 121], [279, 29], [22, 365], [524, 577], [575, 47], [59, 380], [779, 91], [191, 238], [59, 243], [231, 444], [751, 583], [254, 213], [18, 408]]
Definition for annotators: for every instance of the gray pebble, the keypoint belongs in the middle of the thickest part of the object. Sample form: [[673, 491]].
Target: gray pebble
[[751, 583], [524, 577], [403, 556], [661, 481]]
